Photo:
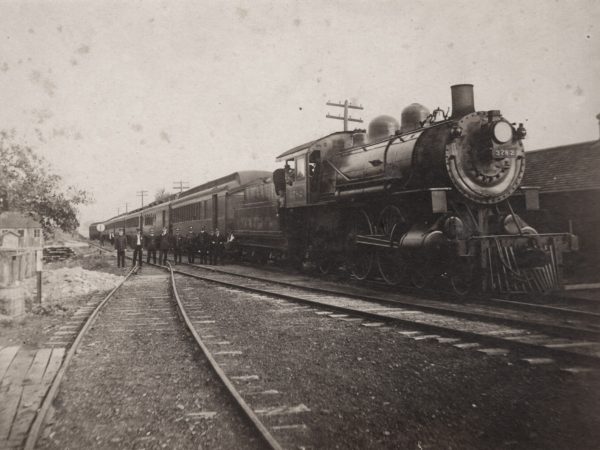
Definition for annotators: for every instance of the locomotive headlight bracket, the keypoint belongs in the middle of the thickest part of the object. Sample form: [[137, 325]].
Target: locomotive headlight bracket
[[456, 132], [502, 132], [521, 131]]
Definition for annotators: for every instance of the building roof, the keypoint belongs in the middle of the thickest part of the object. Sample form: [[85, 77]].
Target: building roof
[[13, 219], [573, 167]]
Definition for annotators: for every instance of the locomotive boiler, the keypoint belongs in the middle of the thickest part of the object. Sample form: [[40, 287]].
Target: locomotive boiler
[[423, 200]]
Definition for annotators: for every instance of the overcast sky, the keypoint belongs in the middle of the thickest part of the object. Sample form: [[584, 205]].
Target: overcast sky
[[123, 96]]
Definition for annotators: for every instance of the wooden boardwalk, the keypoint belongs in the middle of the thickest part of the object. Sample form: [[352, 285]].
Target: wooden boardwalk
[[25, 376]]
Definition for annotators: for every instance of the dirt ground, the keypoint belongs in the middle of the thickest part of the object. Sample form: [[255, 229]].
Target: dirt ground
[[41, 321]]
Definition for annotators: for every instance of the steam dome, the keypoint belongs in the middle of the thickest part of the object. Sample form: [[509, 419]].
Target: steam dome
[[412, 117], [382, 126]]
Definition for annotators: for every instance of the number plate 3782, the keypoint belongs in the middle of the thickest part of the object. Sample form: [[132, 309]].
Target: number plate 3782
[[505, 153]]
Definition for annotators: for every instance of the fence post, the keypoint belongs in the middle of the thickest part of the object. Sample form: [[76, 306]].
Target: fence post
[[38, 269]]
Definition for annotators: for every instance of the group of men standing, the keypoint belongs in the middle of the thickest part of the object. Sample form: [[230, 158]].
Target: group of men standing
[[207, 247]]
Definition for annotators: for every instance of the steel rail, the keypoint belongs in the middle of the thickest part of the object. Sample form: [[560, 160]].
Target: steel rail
[[260, 427], [34, 430], [478, 337], [575, 313], [549, 328]]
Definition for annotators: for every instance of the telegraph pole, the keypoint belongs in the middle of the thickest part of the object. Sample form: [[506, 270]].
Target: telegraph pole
[[181, 185], [141, 194], [346, 118], [126, 206]]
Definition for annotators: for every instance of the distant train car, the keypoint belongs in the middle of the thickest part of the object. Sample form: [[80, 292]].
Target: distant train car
[[129, 222], [155, 217], [206, 205]]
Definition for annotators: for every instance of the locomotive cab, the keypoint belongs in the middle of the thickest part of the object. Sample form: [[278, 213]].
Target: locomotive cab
[[296, 181]]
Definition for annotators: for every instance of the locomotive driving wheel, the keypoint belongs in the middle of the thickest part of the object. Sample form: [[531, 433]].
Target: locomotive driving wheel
[[418, 278], [325, 265], [392, 224], [421, 271], [359, 258]]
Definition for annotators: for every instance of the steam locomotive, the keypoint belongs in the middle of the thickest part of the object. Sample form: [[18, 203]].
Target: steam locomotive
[[426, 200]]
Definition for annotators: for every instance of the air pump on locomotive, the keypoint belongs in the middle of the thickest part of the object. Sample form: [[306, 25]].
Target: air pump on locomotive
[[423, 201]]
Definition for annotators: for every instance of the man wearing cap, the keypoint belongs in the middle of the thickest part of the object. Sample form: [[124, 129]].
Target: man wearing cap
[[190, 245], [151, 247], [203, 242], [120, 246], [163, 246], [216, 248], [138, 243], [178, 246]]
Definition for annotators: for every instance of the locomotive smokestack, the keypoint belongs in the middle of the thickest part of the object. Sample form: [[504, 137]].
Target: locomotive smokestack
[[462, 100]]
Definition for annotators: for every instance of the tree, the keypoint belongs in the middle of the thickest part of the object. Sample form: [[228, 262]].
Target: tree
[[28, 185], [161, 195]]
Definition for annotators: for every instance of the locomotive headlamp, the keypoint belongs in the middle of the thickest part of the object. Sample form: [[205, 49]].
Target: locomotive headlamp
[[521, 131], [502, 132]]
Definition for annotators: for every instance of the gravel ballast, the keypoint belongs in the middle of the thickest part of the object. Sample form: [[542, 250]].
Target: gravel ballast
[[371, 387], [139, 381]]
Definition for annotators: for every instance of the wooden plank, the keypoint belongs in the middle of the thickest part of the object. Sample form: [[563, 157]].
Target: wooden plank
[[9, 401], [38, 367], [6, 356], [53, 364], [17, 370], [31, 400]]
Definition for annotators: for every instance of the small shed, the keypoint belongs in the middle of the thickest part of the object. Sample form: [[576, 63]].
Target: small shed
[[20, 238], [27, 228]]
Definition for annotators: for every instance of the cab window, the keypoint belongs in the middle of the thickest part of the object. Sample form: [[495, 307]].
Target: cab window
[[300, 167]]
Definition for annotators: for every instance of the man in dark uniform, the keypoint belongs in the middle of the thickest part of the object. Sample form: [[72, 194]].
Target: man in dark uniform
[[138, 245], [151, 245], [164, 245], [178, 246], [190, 245], [216, 248], [203, 241], [120, 246]]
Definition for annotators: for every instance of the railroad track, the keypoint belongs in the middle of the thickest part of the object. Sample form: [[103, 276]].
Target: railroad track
[[552, 313], [546, 331], [537, 341], [143, 309], [543, 318]]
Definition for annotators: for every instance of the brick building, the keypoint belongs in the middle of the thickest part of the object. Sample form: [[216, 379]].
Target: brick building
[[569, 180]]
